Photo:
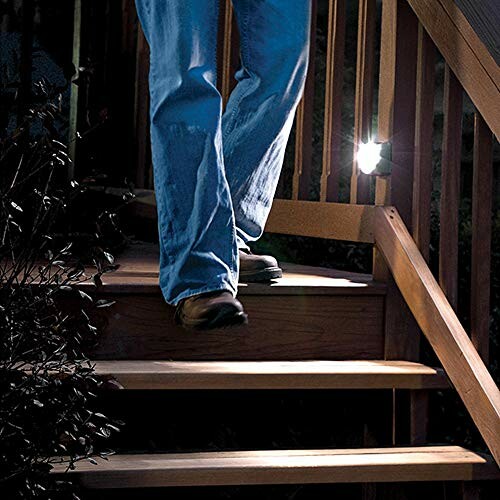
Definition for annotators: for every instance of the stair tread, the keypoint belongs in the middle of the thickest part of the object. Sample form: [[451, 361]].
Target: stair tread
[[426, 463], [272, 374], [138, 273]]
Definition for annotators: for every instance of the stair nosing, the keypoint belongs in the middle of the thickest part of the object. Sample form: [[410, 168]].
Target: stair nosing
[[239, 375]]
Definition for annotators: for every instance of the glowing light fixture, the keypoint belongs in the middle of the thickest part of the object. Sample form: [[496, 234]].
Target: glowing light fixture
[[374, 158]]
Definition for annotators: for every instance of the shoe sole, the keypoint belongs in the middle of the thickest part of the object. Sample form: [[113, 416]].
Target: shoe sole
[[262, 275], [225, 318]]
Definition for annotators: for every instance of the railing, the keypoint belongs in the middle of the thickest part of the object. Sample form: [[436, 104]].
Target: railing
[[406, 97], [467, 64]]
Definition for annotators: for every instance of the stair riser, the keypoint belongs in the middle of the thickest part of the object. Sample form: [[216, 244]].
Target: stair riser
[[281, 327], [169, 421]]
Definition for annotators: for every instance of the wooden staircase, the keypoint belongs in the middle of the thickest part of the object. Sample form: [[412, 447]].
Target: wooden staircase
[[315, 329]]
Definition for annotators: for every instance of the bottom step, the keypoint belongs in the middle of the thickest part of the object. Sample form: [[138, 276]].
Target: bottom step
[[432, 463]]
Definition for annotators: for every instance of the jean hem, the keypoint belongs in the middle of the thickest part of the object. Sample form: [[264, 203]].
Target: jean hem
[[205, 289]]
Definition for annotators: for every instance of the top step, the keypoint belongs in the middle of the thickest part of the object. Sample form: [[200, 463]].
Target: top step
[[138, 273], [310, 313]]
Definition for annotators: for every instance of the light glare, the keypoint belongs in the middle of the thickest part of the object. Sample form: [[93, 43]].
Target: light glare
[[368, 156]]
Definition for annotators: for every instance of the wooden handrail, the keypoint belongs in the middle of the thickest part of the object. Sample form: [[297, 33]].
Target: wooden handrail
[[465, 53], [440, 324]]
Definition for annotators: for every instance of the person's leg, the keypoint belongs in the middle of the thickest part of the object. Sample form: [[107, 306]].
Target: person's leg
[[198, 250], [259, 115]]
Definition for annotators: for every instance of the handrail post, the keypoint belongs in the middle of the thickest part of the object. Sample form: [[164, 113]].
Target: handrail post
[[396, 123]]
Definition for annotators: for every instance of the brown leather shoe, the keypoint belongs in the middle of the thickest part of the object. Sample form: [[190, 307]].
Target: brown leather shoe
[[256, 268], [206, 311]]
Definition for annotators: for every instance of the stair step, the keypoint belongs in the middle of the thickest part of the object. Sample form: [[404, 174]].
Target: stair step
[[433, 463], [146, 375], [311, 313]]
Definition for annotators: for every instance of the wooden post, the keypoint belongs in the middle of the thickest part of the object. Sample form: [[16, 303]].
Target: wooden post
[[26, 62], [73, 113], [332, 137], [481, 236], [422, 186], [450, 186], [396, 123], [304, 123], [144, 174], [363, 112], [227, 53]]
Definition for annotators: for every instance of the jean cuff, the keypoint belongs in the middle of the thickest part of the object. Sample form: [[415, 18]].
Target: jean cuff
[[205, 289]]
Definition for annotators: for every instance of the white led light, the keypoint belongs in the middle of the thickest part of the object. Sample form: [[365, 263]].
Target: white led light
[[368, 156]]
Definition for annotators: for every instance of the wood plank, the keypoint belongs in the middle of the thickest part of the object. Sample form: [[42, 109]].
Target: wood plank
[[380, 270], [465, 53], [422, 184], [281, 327], [363, 105], [149, 375], [74, 91], [419, 417], [227, 49], [332, 131], [450, 186], [396, 122], [339, 221], [304, 122], [482, 201], [143, 174], [284, 467], [440, 325], [402, 335], [486, 15]]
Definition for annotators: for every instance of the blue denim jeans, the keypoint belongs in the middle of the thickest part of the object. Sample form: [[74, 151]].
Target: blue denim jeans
[[215, 170]]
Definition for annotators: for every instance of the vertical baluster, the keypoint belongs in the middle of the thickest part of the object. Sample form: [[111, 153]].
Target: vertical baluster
[[450, 186], [129, 20], [422, 196], [363, 111], [74, 99], [144, 172], [26, 62], [396, 120], [481, 236], [228, 55], [422, 186], [304, 123], [332, 138]]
